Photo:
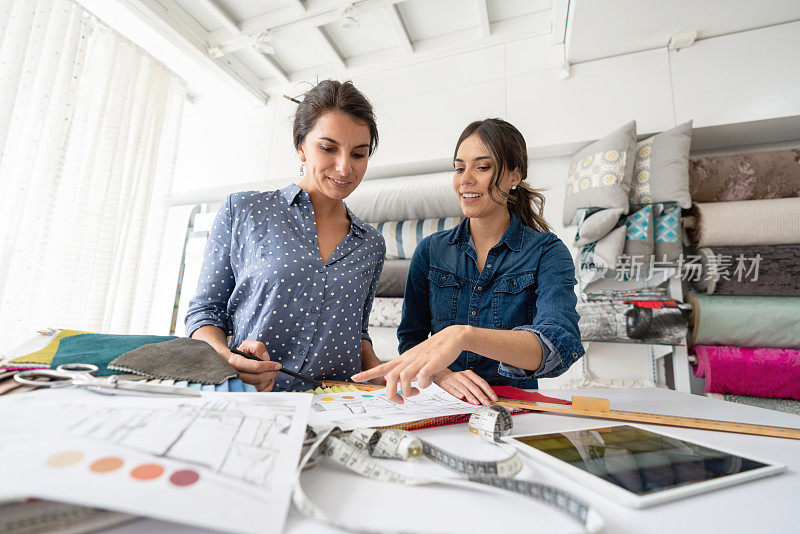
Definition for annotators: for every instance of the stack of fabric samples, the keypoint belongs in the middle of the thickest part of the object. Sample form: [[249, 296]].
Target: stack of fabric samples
[[157, 359], [745, 322]]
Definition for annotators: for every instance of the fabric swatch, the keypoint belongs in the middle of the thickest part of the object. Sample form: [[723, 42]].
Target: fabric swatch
[[757, 372], [781, 405], [392, 282], [386, 311], [745, 223], [402, 237], [753, 176], [45, 356], [754, 271], [635, 319], [178, 359], [100, 349], [745, 321]]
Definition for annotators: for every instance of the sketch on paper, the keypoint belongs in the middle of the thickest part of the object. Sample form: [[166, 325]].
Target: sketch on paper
[[372, 409]]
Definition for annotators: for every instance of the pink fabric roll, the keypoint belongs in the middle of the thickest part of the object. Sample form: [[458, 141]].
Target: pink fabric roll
[[767, 372]]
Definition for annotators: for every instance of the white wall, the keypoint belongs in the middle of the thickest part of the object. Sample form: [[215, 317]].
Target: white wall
[[421, 110]]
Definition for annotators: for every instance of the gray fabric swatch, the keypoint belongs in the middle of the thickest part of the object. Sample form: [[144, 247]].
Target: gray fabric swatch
[[392, 282], [178, 359]]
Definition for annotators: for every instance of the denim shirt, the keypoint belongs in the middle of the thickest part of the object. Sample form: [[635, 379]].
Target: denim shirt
[[527, 284], [263, 279]]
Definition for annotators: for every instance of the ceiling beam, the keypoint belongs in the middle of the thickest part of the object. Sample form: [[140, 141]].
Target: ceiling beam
[[182, 30], [289, 16], [483, 18], [400, 29], [323, 37], [221, 14]]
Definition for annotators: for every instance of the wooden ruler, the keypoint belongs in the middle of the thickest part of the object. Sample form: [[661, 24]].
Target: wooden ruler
[[601, 409]]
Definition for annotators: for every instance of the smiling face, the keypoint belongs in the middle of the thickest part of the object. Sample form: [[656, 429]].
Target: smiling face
[[335, 155], [473, 175]]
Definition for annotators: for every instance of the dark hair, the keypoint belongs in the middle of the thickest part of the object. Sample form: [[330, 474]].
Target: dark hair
[[333, 95], [508, 151]]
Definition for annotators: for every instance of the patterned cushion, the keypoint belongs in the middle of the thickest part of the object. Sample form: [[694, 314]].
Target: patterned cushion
[[639, 236], [661, 168], [386, 311], [666, 232], [402, 237], [600, 174]]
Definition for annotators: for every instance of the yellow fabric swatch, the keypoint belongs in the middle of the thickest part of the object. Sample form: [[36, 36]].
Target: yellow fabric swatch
[[45, 356]]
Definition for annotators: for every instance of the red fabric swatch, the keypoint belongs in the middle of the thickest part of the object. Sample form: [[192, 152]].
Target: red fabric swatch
[[520, 394]]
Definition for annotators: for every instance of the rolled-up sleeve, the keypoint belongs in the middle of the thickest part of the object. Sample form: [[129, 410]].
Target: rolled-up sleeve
[[556, 322], [373, 286], [210, 303]]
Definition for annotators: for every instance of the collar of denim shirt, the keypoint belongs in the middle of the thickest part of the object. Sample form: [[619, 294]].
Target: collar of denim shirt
[[292, 192], [512, 237]]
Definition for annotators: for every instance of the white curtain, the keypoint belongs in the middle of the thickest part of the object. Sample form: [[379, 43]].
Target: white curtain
[[89, 128]]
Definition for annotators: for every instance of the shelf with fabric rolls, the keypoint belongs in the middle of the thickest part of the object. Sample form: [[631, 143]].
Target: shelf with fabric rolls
[[745, 320]]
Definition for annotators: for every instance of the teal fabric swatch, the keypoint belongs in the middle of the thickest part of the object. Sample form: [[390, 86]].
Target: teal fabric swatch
[[235, 384], [100, 349]]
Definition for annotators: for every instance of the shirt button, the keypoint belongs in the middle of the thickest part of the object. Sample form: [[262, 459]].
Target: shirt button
[[479, 288], [513, 283], [488, 264], [474, 313], [575, 355], [320, 270], [444, 278]]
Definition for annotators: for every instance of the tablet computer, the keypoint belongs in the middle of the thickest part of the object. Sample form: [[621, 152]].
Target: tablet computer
[[639, 467]]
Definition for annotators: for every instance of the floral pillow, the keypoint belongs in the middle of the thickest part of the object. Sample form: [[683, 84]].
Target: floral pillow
[[600, 174]]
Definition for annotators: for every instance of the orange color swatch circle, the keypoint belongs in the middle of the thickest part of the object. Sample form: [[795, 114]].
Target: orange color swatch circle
[[147, 472], [106, 465]]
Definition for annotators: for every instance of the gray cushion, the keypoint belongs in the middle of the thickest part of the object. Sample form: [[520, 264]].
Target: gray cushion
[[596, 225], [661, 168], [597, 258], [600, 174], [392, 282]]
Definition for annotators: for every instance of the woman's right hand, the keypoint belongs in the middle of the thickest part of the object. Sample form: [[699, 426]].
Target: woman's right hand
[[466, 385], [259, 373]]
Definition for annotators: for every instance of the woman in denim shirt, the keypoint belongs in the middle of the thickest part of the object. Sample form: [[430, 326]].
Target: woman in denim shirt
[[496, 293]]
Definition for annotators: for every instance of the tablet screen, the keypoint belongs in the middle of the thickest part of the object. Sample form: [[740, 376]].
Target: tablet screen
[[637, 460]]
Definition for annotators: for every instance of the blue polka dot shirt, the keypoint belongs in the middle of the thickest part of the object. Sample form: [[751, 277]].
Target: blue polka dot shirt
[[263, 278]]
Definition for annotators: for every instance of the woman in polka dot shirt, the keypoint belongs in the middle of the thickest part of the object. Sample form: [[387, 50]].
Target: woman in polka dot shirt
[[495, 294], [289, 276]]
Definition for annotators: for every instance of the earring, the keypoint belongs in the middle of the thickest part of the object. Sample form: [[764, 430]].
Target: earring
[[302, 169]]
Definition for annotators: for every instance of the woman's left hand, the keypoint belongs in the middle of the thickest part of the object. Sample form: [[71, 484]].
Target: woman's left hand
[[421, 362]]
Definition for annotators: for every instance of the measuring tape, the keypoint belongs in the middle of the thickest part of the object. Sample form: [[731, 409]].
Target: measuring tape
[[355, 450]]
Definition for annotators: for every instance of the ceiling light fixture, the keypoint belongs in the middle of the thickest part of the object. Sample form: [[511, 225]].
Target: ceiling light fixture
[[263, 43]]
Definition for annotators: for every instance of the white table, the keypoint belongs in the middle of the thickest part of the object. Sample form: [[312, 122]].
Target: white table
[[765, 505]]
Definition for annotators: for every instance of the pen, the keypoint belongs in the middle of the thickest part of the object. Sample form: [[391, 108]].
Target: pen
[[282, 369]]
